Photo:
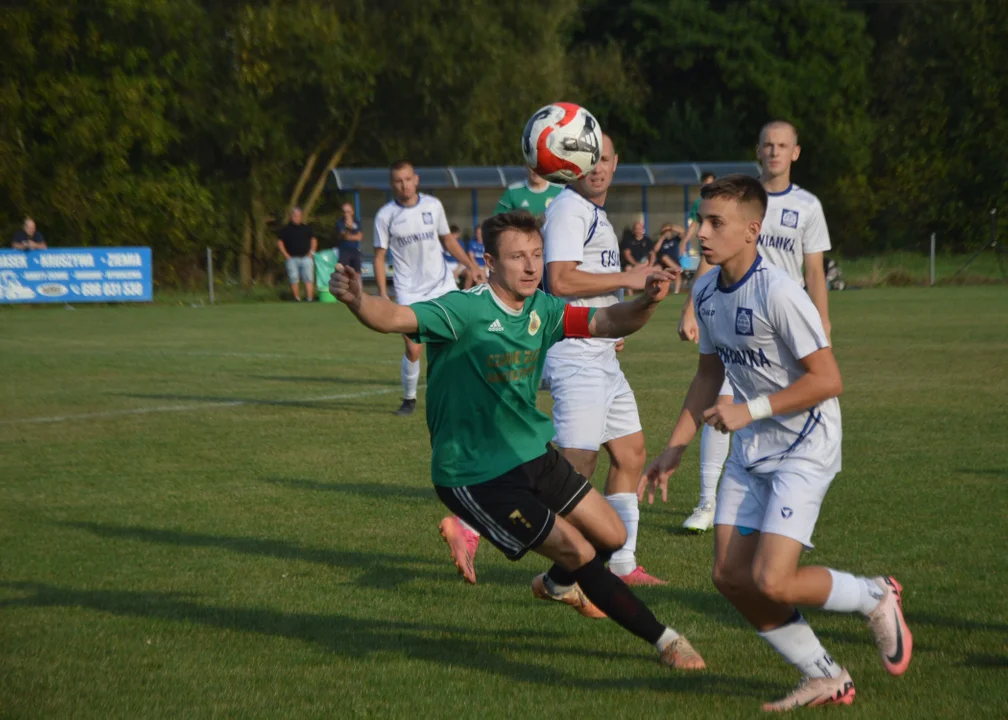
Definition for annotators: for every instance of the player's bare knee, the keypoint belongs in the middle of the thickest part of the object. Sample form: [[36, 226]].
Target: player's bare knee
[[772, 585], [727, 579]]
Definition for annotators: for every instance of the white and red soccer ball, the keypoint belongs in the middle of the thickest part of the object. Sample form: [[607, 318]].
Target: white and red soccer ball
[[562, 142]]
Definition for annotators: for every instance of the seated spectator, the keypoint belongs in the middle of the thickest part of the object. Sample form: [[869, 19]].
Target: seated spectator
[[348, 238], [28, 237], [666, 250], [637, 247]]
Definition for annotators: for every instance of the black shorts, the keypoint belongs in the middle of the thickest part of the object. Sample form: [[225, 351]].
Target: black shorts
[[350, 257], [517, 510]]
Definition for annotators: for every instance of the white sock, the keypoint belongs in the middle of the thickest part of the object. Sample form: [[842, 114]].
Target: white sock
[[467, 526], [624, 560], [797, 644], [714, 447], [666, 637], [410, 372], [851, 593], [553, 589]]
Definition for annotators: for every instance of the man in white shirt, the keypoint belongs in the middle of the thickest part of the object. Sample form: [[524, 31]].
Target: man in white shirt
[[792, 234], [412, 228], [758, 328]]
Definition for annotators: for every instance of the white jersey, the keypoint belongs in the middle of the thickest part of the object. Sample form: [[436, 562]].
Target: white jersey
[[578, 230], [761, 327], [793, 227], [412, 237]]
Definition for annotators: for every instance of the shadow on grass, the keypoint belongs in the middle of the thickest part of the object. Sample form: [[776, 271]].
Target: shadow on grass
[[327, 379], [987, 662], [368, 490], [377, 570], [330, 403], [451, 646], [989, 472], [915, 618]]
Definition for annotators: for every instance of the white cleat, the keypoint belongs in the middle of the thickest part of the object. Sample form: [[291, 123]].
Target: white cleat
[[702, 518]]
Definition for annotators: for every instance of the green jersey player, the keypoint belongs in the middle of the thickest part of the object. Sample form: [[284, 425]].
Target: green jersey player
[[534, 194], [491, 463]]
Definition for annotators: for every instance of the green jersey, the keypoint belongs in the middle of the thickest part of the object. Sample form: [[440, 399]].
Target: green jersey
[[484, 363], [519, 196], [694, 212]]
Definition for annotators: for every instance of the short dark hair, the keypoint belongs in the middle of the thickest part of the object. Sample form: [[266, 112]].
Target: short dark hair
[[399, 165], [743, 189], [707, 174], [453, 229], [519, 220]]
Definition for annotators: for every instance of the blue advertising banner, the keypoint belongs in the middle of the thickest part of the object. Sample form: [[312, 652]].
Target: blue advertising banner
[[75, 275]]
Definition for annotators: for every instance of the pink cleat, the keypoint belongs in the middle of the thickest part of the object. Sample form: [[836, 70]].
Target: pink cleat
[[816, 691], [640, 576], [462, 543], [892, 636]]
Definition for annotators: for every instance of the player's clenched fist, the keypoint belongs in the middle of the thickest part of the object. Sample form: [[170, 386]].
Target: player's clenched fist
[[728, 417], [657, 286], [656, 475], [345, 285]]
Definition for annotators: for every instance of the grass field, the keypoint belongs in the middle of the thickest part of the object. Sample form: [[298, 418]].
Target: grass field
[[212, 513]]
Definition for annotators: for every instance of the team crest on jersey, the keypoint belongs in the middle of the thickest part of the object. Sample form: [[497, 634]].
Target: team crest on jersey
[[534, 322], [743, 321], [789, 218], [428, 218]]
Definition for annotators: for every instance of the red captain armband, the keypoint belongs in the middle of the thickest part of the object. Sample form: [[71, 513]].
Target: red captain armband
[[575, 322]]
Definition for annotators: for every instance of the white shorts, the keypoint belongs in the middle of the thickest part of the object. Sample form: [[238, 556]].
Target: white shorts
[[726, 388], [410, 298], [592, 403], [785, 501]]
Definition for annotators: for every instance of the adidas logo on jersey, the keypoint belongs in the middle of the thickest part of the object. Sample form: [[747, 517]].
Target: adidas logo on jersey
[[496, 326]]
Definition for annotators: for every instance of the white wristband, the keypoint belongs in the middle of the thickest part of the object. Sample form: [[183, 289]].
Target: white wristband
[[760, 408]]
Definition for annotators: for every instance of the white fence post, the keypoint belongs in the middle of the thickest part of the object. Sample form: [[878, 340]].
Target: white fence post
[[932, 258], [210, 273]]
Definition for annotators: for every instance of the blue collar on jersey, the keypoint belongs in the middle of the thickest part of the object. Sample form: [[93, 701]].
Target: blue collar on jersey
[[419, 199], [782, 192], [735, 286]]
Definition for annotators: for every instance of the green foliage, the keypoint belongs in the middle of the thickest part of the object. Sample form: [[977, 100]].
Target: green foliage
[[181, 123]]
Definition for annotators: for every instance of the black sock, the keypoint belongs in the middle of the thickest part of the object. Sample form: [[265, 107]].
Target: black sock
[[563, 578], [614, 598]]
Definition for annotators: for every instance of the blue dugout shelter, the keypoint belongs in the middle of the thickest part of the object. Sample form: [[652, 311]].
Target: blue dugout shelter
[[658, 193]]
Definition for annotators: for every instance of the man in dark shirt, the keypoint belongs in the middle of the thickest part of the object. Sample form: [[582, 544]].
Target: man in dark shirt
[[297, 243], [28, 238], [637, 247], [349, 237], [666, 250]]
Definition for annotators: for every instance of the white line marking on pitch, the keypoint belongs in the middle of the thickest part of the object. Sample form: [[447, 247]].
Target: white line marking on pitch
[[197, 406]]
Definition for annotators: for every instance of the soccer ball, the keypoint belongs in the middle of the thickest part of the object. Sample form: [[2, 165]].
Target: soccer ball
[[562, 142]]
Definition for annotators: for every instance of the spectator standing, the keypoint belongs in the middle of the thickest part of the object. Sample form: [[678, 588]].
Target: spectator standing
[[348, 238], [298, 244], [691, 221], [28, 237]]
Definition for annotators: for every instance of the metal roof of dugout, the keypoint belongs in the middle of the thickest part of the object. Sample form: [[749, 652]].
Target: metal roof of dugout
[[500, 176]]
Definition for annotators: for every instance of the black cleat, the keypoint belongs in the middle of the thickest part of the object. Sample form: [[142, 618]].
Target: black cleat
[[407, 407]]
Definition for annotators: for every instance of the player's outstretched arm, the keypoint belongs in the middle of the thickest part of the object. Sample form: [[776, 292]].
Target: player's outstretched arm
[[688, 329], [379, 272], [377, 313], [818, 291], [449, 243], [628, 317], [702, 393]]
